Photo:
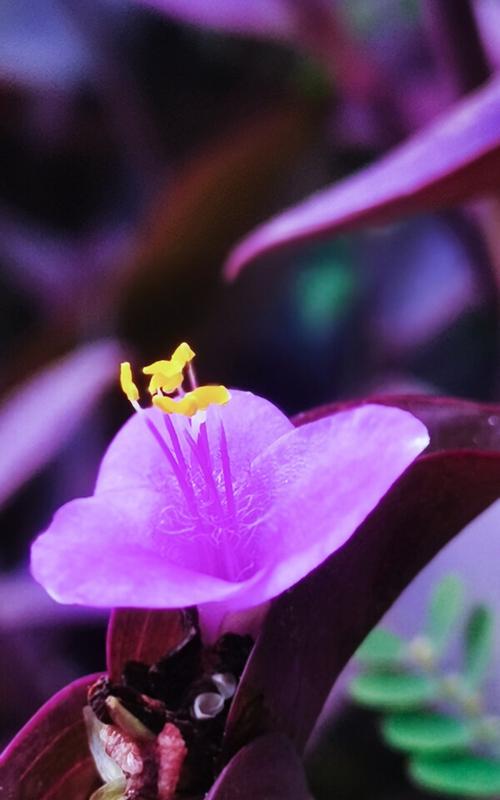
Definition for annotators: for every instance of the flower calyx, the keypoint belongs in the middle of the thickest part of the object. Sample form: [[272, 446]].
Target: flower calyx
[[166, 385], [159, 730]]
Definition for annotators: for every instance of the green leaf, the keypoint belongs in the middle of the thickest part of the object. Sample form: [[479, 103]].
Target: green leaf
[[393, 691], [478, 645], [466, 776], [426, 733], [380, 648], [444, 609]]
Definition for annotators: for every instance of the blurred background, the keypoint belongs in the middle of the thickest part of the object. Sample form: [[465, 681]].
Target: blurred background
[[141, 141]]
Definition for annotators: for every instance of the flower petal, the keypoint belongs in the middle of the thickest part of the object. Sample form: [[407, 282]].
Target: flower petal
[[93, 554], [324, 479], [251, 424], [134, 458], [313, 487], [456, 479]]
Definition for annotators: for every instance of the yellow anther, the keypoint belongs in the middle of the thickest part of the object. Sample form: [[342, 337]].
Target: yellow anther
[[167, 374], [197, 400], [127, 382], [183, 353], [185, 406], [167, 383], [159, 366], [206, 396]]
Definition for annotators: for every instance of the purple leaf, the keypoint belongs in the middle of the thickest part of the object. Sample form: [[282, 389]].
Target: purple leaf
[[41, 47], [267, 768], [24, 606], [455, 158], [38, 417], [139, 635], [313, 629], [270, 18], [49, 759], [288, 20]]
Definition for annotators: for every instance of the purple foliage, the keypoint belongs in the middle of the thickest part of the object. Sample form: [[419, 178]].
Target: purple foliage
[[455, 158]]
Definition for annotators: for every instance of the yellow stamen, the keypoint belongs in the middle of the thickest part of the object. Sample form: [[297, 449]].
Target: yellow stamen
[[183, 353], [167, 374], [197, 400], [206, 396], [185, 406], [127, 382], [168, 383]]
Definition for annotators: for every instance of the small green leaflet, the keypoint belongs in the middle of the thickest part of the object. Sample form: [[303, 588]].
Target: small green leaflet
[[465, 776], [426, 733], [380, 648], [445, 606], [478, 645], [393, 691]]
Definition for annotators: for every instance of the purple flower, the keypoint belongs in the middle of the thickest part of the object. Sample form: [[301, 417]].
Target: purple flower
[[228, 504]]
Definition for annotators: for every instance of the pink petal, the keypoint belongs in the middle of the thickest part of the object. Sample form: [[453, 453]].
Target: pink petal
[[307, 493], [324, 479], [94, 554], [134, 459]]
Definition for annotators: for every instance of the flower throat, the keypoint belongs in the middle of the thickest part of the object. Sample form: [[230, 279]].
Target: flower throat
[[209, 492]]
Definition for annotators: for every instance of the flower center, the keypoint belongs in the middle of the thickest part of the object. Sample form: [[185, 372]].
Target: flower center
[[166, 385], [215, 511]]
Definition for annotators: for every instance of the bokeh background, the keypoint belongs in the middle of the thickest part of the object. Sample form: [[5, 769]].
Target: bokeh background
[[140, 142]]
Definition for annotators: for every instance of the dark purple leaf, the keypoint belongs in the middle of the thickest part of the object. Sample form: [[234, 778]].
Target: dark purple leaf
[[313, 629], [267, 768], [141, 635], [49, 759], [455, 158], [184, 225]]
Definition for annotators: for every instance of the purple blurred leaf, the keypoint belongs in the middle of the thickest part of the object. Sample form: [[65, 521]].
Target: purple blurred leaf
[[138, 635], [43, 48], [317, 27], [25, 606], [269, 18], [488, 19], [313, 629], [441, 281], [289, 20], [184, 225], [267, 768], [455, 158], [40, 47], [55, 267], [49, 759], [38, 417]]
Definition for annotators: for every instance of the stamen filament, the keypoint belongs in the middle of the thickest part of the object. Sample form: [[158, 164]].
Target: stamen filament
[[181, 462], [201, 452], [185, 487], [192, 376], [226, 472]]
